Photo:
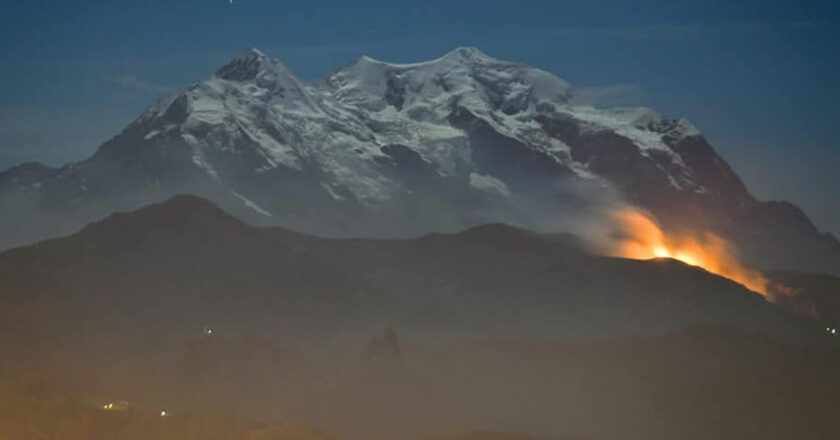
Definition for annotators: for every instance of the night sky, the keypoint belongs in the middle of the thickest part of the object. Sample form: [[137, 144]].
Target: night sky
[[759, 78]]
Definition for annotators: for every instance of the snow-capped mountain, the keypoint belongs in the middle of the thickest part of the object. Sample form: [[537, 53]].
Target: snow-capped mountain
[[399, 149]]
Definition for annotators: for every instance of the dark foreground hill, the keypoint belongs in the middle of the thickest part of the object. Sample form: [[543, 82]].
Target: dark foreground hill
[[498, 333], [184, 264]]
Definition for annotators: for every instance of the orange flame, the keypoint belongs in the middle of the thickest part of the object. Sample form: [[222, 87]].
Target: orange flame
[[642, 239]]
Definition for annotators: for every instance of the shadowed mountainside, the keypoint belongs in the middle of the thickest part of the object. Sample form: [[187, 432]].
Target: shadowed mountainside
[[184, 263]]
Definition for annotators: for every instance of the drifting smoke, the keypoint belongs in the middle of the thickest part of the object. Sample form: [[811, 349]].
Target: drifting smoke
[[609, 225], [637, 235], [613, 227]]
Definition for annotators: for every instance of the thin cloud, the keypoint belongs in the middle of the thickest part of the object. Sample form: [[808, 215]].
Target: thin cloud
[[133, 82]]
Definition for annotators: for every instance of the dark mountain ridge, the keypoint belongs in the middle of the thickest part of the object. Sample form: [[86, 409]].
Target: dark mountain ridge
[[182, 264]]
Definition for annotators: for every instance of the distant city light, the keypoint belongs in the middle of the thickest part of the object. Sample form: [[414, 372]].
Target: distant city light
[[163, 414], [208, 331], [121, 405]]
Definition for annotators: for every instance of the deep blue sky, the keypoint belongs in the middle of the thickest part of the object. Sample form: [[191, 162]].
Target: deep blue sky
[[760, 78]]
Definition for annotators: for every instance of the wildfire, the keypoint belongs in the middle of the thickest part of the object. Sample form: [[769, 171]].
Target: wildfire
[[642, 239]]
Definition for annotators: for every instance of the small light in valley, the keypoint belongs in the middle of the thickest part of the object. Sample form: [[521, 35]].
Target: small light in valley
[[163, 413], [116, 406]]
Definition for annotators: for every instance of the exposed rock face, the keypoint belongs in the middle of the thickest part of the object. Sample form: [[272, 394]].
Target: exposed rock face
[[402, 149]]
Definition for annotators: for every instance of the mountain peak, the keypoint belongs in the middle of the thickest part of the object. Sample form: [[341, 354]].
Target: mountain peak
[[468, 53], [460, 55], [188, 202], [248, 65], [180, 211], [252, 52]]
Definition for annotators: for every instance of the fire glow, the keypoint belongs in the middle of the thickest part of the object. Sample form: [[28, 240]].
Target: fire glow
[[643, 239]]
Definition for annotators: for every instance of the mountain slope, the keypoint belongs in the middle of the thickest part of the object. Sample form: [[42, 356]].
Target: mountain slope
[[183, 264], [404, 149], [174, 267]]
